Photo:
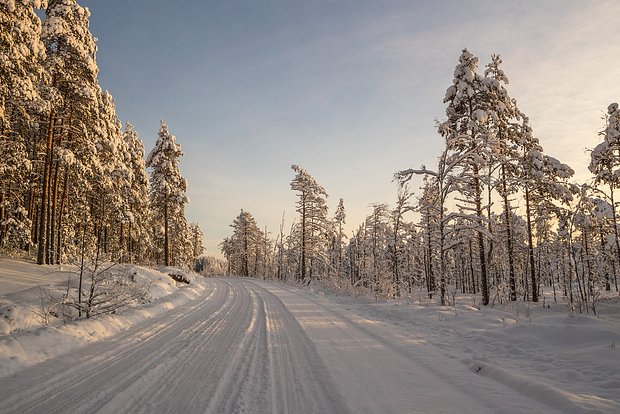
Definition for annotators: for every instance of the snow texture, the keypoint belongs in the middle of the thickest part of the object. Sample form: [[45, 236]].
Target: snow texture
[[243, 345]]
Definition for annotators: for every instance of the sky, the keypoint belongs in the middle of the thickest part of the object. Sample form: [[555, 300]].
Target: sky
[[350, 90]]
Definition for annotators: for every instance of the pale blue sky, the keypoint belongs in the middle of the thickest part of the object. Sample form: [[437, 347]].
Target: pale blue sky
[[348, 89]]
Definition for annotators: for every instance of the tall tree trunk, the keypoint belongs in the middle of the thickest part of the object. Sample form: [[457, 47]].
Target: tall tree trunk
[[484, 283], [490, 244], [3, 189], [246, 249], [63, 201], [2, 210], [511, 269], [129, 243], [45, 184], [121, 243], [617, 237], [54, 203], [471, 268], [82, 254], [590, 278], [607, 284], [166, 247], [395, 270], [303, 237], [48, 228], [530, 246], [430, 277]]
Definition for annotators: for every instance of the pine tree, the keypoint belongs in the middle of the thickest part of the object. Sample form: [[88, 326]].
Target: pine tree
[[73, 92], [311, 230], [167, 189], [605, 164], [21, 73], [244, 250], [138, 239], [197, 247], [339, 237], [378, 231], [429, 223], [398, 238], [466, 131], [503, 119]]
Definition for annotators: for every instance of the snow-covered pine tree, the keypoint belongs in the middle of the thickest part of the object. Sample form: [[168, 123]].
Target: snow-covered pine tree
[[429, 225], [605, 165], [466, 131], [111, 182], [21, 73], [245, 248], [379, 235], [339, 237], [73, 94], [227, 249], [602, 218], [583, 229], [503, 123], [167, 190], [357, 252], [398, 240], [137, 236], [311, 230], [197, 246], [544, 181], [181, 251]]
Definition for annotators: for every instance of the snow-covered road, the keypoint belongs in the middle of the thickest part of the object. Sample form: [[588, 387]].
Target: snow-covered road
[[258, 347]]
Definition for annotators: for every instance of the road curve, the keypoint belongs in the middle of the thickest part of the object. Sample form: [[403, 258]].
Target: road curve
[[252, 347], [238, 351]]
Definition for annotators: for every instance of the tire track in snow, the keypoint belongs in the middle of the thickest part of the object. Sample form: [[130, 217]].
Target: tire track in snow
[[398, 372], [238, 350], [75, 382], [301, 382], [173, 388], [275, 369]]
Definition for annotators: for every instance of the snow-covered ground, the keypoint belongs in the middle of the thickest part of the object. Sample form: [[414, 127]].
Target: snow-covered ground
[[223, 345], [27, 338], [569, 363]]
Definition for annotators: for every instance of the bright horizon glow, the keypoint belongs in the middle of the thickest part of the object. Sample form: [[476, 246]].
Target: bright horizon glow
[[348, 90]]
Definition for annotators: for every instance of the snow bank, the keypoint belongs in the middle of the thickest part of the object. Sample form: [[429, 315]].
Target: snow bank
[[27, 341], [568, 362]]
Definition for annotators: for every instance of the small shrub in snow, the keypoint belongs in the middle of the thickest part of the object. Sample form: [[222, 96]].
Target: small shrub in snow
[[102, 288], [48, 306]]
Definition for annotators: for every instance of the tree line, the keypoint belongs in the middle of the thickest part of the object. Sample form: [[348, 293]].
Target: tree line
[[496, 217], [73, 181]]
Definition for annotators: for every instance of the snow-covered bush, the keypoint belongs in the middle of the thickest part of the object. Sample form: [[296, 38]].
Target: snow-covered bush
[[103, 288]]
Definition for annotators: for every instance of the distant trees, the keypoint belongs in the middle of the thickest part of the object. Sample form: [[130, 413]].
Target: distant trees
[[497, 217], [197, 247], [72, 184], [245, 250], [312, 251]]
